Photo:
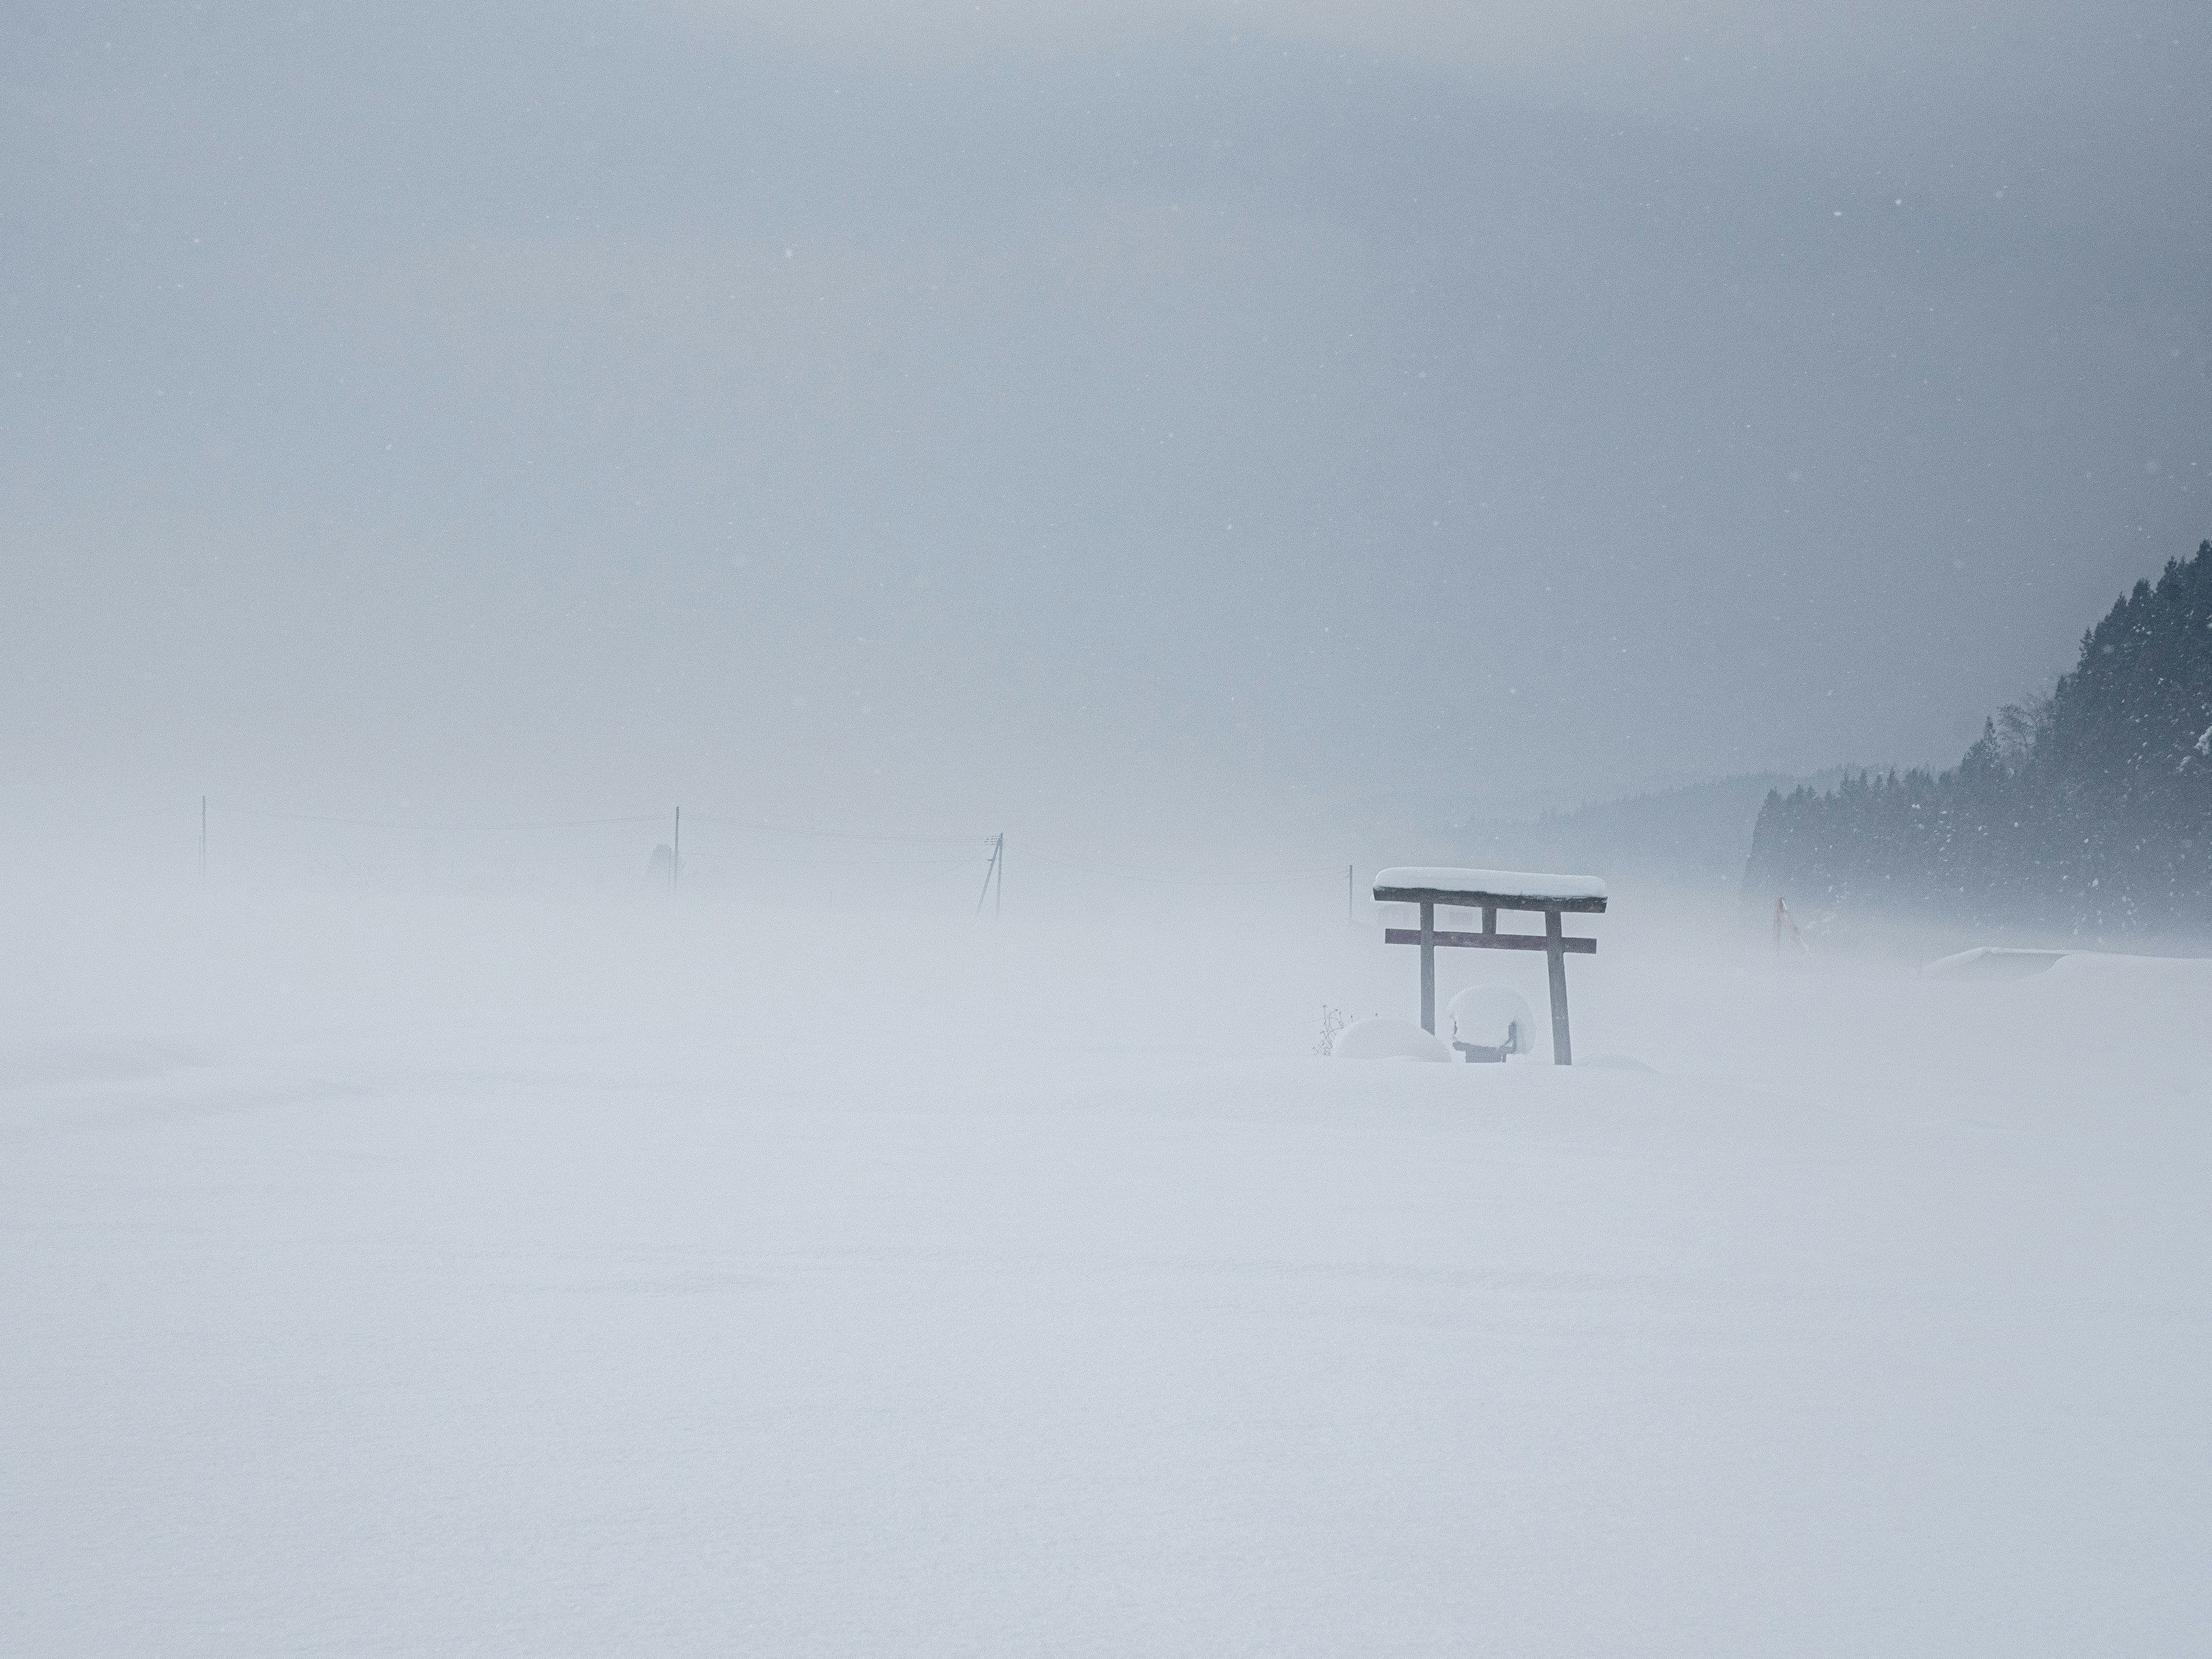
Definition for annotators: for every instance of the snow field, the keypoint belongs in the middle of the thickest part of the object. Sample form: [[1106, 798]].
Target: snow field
[[536, 1280]]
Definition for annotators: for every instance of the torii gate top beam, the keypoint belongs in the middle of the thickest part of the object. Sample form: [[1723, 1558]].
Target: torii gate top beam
[[1489, 890]]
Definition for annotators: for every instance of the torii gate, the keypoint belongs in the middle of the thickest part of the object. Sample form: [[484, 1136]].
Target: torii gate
[[1491, 891]]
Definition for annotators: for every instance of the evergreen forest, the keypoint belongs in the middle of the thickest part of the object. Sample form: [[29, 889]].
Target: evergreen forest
[[2083, 813]]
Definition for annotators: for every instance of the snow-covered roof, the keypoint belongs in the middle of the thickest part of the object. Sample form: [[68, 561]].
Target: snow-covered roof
[[1992, 962], [1518, 883]]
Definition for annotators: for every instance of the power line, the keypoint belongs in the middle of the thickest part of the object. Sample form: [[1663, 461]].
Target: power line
[[989, 850], [839, 834], [447, 828], [586, 823], [1126, 873], [845, 864]]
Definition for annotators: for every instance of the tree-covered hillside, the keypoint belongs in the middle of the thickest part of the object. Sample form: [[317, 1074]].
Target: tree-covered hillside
[[2088, 812]]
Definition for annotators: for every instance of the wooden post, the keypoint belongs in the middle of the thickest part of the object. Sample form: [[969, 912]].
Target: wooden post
[[1488, 918], [1428, 966], [1555, 959]]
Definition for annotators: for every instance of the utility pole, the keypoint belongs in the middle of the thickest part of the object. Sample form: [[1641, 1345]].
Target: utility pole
[[995, 870], [676, 851], [1785, 926], [1351, 913]]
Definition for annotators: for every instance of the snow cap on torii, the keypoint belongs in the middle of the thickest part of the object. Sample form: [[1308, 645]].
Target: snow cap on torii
[[1478, 883]]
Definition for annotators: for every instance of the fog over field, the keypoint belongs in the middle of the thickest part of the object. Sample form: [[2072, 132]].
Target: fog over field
[[702, 703]]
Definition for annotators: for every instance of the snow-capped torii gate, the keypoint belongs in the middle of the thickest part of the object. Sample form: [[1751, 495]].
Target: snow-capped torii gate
[[1491, 891]]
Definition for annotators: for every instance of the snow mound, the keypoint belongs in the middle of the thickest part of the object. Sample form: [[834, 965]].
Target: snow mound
[[1444, 878], [2091, 967], [1387, 1039], [1617, 1063], [1492, 1016]]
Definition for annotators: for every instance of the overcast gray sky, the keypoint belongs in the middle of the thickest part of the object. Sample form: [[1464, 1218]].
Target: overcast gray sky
[[948, 413]]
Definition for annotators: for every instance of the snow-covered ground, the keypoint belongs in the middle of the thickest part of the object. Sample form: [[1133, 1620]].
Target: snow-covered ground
[[511, 1277]]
